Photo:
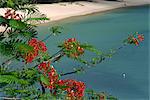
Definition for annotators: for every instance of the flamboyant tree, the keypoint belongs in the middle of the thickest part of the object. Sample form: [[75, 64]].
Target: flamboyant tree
[[35, 77]]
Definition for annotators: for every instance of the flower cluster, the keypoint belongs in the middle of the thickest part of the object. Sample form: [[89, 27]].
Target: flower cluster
[[135, 38], [72, 48], [44, 66], [74, 89], [37, 46], [49, 71], [11, 14], [53, 78]]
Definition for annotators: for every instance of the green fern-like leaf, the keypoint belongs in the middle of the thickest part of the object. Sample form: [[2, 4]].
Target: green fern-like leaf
[[2, 20], [30, 9], [10, 3], [56, 30], [91, 48], [17, 4], [12, 79], [28, 33], [44, 79], [17, 24], [23, 48], [37, 19], [29, 73], [6, 49], [1, 36]]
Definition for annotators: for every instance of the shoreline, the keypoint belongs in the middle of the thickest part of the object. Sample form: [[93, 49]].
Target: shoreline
[[78, 16], [65, 10], [101, 6]]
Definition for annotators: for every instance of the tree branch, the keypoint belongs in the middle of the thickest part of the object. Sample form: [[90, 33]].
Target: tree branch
[[5, 30], [47, 37], [8, 98], [72, 72], [8, 60], [90, 64], [42, 87]]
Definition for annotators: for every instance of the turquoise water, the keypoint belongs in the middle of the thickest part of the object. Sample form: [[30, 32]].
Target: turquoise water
[[106, 31]]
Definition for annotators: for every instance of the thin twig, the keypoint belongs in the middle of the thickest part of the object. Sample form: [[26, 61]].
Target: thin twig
[[72, 72], [5, 30], [42, 87], [89, 65], [46, 38], [8, 60], [8, 98], [54, 57]]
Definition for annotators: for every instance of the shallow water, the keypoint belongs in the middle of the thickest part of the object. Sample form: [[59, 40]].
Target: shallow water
[[106, 31]]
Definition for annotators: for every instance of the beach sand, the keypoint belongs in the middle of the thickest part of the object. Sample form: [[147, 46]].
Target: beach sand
[[58, 11]]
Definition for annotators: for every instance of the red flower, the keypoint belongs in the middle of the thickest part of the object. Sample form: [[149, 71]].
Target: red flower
[[75, 89], [102, 97], [74, 55], [140, 37], [81, 50], [51, 73], [78, 52], [29, 57], [72, 48], [53, 78], [33, 41], [136, 42], [44, 66], [71, 40], [10, 14], [60, 82], [42, 46], [135, 38], [37, 46]]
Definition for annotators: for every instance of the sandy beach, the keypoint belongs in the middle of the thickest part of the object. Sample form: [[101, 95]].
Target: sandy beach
[[58, 11]]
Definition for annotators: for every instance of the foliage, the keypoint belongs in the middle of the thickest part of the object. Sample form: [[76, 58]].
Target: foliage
[[18, 5], [8, 79]]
